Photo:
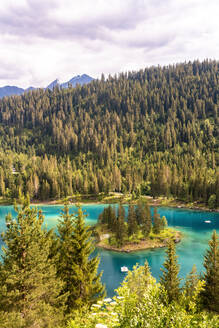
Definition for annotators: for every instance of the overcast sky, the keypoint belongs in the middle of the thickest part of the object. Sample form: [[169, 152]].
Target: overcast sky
[[42, 40]]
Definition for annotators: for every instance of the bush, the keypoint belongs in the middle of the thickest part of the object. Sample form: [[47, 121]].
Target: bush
[[141, 303]]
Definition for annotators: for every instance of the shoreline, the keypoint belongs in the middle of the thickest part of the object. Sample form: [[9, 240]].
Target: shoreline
[[160, 202], [142, 245]]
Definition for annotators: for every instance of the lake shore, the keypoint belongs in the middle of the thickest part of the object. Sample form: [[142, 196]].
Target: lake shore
[[114, 198]]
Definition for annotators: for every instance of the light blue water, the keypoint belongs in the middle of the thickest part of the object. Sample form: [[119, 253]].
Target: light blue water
[[190, 251]]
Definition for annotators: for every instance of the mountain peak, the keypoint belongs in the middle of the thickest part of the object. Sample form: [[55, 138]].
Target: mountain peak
[[78, 79], [53, 84]]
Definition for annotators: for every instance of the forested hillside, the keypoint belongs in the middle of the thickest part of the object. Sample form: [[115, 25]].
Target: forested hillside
[[153, 132]]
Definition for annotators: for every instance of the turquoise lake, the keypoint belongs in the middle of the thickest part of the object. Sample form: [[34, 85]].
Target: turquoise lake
[[190, 251]]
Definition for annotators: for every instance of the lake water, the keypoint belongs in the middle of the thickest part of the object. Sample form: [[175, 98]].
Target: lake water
[[190, 251]]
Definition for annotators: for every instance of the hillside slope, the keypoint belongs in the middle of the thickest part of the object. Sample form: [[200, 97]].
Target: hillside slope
[[155, 131]]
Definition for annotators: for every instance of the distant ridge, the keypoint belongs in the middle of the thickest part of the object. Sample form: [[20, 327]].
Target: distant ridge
[[10, 90], [13, 90]]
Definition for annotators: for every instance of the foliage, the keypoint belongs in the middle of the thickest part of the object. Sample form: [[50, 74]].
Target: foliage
[[157, 222], [170, 280], [212, 201], [140, 304], [29, 287], [65, 259], [133, 228], [155, 131], [78, 268], [210, 294], [131, 221]]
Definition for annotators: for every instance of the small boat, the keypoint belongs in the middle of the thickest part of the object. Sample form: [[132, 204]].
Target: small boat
[[207, 221], [124, 269]]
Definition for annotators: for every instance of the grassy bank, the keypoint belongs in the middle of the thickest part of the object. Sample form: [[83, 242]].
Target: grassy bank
[[113, 198]]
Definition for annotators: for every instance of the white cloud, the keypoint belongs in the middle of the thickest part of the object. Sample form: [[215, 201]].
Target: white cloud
[[45, 39]]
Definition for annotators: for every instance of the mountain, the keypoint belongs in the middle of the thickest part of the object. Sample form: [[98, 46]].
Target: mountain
[[10, 90], [83, 79], [13, 90], [79, 79], [53, 84]]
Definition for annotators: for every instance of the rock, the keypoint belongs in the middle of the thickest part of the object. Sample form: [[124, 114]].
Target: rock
[[104, 236]]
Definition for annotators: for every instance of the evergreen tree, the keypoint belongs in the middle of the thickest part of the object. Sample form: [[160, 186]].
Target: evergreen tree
[[82, 281], [163, 223], [140, 212], [112, 219], [146, 224], [65, 251], [29, 287], [157, 225], [210, 294], [192, 280], [120, 232], [170, 279], [131, 220]]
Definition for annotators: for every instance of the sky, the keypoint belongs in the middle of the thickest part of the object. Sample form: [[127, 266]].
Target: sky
[[42, 40]]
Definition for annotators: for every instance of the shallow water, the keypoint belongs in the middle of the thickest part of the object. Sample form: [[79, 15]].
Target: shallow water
[[190, 251]]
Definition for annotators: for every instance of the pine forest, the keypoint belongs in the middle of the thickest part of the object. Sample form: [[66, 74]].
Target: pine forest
[[153, 132]]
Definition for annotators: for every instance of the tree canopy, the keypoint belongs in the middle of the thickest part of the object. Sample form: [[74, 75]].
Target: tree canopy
[[155, 131]]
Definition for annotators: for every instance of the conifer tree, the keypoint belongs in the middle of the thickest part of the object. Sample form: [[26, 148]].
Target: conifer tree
[[29, 287], [143, 216], [210, 294], [120, 232], [65, 250], [170, 279], [139, 212], [156, 222], [146, 224], [132, 223], [78, 268], [163, 223], [192, 280], [113, 220]]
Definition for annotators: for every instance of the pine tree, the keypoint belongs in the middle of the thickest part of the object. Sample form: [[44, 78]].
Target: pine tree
[[113, 220], [120, 232], [29, 287], [210, 294], [143, 216], [156, 222], [132, 223], [77, 266], [139, 212], [170, 279], [192, 280], [65, 250], [146, 224], [163, 223]]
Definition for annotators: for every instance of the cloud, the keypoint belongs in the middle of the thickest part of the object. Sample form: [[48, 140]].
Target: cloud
[[45, 39]]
